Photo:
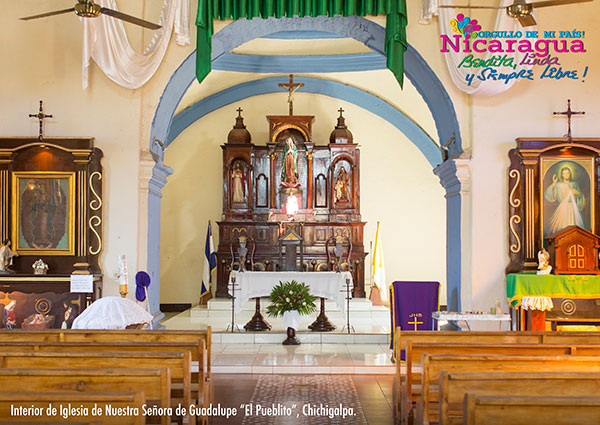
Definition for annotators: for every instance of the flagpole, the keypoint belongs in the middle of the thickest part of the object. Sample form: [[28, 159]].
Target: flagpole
[[371, 264]]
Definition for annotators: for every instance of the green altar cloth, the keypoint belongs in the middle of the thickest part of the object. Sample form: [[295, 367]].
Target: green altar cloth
[[519, 285], [395, 27]]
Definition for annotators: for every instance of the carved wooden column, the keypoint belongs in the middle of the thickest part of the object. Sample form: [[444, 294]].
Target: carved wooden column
[[531, 236], [272, 155], [309, 183], [515, 213], [5, 202]]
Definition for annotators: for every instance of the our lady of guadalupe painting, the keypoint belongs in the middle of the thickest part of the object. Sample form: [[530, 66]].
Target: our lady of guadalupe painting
[[567, 194], [43, 218]]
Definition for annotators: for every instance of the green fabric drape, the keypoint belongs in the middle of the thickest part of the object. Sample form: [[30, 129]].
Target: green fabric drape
[[395, 35]]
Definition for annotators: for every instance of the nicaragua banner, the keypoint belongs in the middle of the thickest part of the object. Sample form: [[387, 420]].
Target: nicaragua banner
[[210, 262]]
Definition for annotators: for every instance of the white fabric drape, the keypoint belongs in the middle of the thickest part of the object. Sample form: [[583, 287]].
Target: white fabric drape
[[105, 40], [453, 59]]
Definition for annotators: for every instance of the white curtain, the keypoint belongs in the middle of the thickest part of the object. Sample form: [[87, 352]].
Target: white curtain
[[453, 59], [105, 41]]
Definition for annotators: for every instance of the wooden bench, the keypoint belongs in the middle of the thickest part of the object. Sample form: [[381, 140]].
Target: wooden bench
[[531, 410], [199, 386], [128, 402], [454, 386], [179, 364], [129, 335], [434, 364], [154, 383], [410, 382]]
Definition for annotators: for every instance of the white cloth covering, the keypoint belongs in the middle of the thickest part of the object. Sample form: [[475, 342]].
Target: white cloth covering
[[111, 313], [504, 22], [537, 303], [331, 285], [105, 41]]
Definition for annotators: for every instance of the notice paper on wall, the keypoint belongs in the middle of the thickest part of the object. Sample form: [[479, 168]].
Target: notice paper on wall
[[82, 283]]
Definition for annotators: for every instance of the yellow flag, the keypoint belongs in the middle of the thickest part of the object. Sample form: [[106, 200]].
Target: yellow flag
[[378, 269]]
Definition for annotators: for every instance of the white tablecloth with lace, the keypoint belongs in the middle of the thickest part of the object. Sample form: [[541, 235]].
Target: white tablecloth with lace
[[331, 285]]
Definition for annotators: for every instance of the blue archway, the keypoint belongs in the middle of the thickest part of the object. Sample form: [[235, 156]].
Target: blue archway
[[372, 35]]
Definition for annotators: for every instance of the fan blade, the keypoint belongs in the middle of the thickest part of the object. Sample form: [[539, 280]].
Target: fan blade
[[526, 20], [43, 15], [476, 7], [129, 18], [557, 2]]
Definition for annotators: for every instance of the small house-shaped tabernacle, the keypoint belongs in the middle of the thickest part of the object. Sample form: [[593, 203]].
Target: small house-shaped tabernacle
[[574, 250]]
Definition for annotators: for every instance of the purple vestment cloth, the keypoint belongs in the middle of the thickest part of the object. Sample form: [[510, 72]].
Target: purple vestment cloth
[[142, 281], [411, 305]]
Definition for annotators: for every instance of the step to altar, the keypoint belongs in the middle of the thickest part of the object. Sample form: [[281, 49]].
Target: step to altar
[[369, 324]]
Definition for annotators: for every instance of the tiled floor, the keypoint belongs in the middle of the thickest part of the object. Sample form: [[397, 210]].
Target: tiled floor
[[305, 358], [369, 397]]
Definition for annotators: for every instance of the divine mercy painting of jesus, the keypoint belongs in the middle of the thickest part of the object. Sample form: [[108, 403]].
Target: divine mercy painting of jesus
[[567, 195]]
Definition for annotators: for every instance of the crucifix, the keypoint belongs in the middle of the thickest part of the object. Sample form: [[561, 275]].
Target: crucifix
[[40, 116], [291, 88], [569, 113]]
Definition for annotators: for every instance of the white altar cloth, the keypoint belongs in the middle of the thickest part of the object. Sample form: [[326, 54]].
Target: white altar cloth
[[331, 285]]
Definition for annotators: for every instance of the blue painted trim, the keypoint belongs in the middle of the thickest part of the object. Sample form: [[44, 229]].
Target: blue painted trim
[[358, 28], [297, 64], [330, 88], [301, 35]]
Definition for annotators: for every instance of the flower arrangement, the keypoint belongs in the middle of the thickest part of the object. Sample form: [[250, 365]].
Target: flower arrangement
[[288, 296]]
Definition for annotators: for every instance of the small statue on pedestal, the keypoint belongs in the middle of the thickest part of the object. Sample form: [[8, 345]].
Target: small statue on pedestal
[[6, 257], [543, 262]]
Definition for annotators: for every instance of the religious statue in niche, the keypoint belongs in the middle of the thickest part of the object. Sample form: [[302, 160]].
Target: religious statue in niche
[[6, 257], [341, 186], [289, 165], [566, 195], [238, 183]]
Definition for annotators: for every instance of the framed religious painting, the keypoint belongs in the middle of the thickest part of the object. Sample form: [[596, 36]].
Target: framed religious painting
[[43, 213], [567, 194]]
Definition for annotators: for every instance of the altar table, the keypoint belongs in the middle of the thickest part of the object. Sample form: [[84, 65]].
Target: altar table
[[522, 285], [331, 285]]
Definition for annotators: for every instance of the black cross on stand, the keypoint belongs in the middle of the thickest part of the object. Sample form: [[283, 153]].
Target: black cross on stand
[[239, 111], [340, 111], [40, 116], [291, 88], [569, 113]]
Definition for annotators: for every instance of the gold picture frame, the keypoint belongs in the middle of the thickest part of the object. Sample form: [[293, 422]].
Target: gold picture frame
[[567, 194], [43, 212]]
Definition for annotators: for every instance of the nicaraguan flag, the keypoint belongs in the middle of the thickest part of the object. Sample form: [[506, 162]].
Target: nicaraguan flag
[[210, 262]]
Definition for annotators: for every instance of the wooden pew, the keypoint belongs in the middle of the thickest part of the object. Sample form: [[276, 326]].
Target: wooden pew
[[454, 386], [531, 410], [179, 364], [199, 387], [410, 383], [434, 364], [154, 383], [126, 401], [129, 335]]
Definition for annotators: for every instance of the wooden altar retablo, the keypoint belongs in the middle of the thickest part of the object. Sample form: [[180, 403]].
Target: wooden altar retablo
[[291, 182], [574, 250]]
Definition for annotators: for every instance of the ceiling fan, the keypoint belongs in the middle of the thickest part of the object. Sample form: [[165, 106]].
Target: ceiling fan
[[88, 9], [521, 10]]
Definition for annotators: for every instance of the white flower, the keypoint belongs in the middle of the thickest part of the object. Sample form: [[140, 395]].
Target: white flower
[[291, 292], [304, 303], [287, 300]]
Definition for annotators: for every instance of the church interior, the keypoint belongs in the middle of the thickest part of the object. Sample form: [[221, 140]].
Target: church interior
[[230, 175]]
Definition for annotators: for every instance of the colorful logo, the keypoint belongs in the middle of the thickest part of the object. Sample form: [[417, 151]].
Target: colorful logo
[[465, 26]]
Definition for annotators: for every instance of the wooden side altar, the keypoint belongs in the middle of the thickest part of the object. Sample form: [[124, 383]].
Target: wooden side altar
[[290, 182], [51, 210], [553, 193]]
